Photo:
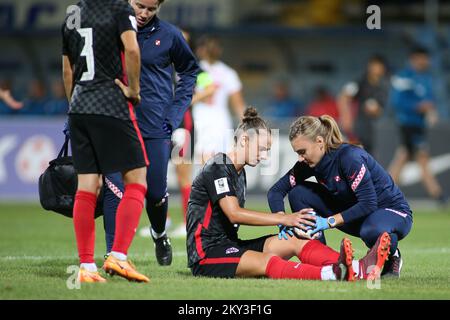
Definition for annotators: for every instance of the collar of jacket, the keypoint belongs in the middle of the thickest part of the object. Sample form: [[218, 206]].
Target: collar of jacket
[[150, 27], [323, 167]]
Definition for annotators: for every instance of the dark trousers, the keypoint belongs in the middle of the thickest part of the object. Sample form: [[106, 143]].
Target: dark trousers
[[158, 152], [396, 221]]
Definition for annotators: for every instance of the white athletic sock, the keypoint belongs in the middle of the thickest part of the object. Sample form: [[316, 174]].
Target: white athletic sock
[[91, 267], [355, 265], [327, 273], [119, 255], [157, 235]]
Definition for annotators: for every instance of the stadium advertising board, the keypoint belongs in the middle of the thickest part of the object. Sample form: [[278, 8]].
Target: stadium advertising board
[[27, 145]]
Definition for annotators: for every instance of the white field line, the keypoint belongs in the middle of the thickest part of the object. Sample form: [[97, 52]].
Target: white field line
[[439, 250], [38, 258]]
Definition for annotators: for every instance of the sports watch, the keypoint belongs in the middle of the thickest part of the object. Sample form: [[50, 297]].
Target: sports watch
[[331, 222]]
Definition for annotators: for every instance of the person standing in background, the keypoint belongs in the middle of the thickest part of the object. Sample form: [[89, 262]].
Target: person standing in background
[[183, 141], [362, 102], [414, 104], [213, 121]]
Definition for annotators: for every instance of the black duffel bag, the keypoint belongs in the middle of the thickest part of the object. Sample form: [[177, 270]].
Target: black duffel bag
[[58, 185]]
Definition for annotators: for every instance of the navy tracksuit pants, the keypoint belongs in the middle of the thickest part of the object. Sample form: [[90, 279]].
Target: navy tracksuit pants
[[158, 152], [396, 221]]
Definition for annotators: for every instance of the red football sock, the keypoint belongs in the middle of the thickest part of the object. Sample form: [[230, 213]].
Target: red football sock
[[278, 268], [84, 224], [128, 215], [316, 253], [185, 193]]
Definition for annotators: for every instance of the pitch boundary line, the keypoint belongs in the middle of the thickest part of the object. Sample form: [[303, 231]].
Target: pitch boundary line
[[440, 250], [37, 258]]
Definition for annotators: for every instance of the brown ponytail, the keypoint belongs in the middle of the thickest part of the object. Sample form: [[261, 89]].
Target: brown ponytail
[[251, 121]]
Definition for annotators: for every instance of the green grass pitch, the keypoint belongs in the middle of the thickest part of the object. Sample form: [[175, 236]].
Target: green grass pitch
[[37, 247]]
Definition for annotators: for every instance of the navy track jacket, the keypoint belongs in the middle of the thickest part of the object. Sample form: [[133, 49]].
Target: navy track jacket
[[352, 176], [163, 51]]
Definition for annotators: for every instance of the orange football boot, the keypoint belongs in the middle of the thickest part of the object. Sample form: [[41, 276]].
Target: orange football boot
[[89, 277], [343, 268], [346, 257], [125, 269], [371, 265]]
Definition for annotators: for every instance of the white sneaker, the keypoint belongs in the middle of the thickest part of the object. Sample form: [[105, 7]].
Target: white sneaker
[[179, 232]]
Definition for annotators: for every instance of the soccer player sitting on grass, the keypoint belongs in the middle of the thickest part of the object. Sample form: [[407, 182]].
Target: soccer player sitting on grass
[[216, 208]]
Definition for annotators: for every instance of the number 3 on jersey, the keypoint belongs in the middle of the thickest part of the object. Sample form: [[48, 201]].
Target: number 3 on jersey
[[87, 52]]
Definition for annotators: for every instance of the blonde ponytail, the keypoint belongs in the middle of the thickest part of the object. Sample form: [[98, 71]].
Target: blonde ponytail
[[312, 127], [333, 138]]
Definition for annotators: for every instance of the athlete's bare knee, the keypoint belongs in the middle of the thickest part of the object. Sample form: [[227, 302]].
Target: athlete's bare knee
[[297, 245], [253, 264], [136, 176], [422, 157], [88, 182]]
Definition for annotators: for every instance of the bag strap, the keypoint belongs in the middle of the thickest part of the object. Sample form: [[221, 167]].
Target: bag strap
[[65, 148]]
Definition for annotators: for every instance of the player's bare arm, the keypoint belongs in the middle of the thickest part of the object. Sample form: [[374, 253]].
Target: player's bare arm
[[344, 106], [236, 214], [67, 76], [133, 67], [8, 99], [204, 95]]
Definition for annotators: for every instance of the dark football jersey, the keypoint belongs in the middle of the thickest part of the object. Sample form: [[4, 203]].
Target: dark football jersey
[[207, 224], [95, 50]]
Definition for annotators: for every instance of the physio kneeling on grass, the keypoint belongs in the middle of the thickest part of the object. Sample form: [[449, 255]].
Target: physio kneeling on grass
[[216, 209], [354, 193]]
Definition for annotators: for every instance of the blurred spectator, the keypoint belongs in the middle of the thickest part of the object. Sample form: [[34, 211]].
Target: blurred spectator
[[283, 104], [212, 118], [362, 102], [323, 103], [413, 103], [7, 101], [37, 98], [58, 103]]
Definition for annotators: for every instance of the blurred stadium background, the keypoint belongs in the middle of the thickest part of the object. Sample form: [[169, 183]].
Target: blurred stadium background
[[303, 44]]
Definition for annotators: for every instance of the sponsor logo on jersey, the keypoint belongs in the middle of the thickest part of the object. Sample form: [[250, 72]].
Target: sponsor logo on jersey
[[231, 250], [350, 178]]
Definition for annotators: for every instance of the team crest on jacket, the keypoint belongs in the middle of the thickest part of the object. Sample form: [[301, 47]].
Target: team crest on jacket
[[337, 178], [157, 42], [292, 180]]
